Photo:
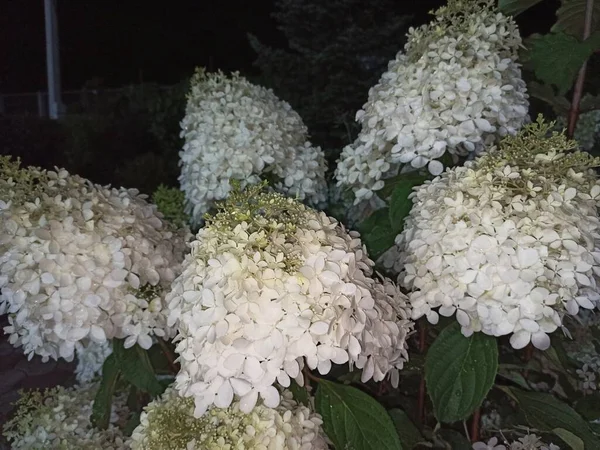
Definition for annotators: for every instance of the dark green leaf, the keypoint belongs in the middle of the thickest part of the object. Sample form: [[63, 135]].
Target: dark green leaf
[[554, 50], [416, 178], [300, 393], [377, 233], [351, 377], [408, 432], [571, 17], [573, 441], [589, 406], [354, 420], [459, 372], [103, 400], [136, 368], [547, 413], [400, 204], [132, 423], [515, 7]]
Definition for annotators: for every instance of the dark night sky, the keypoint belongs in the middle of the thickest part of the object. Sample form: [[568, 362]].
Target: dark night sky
[[162, 41]]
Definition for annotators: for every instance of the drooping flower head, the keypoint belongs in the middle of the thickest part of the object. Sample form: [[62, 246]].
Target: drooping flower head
[[235, 130], [80, 263], [509, 243], [168, 423], [269, 285], [60, 418], [456, 88]]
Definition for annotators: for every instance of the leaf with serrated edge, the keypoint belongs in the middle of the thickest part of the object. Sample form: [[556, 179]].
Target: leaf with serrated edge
[[354, 420], [459, 372], [554, 50]]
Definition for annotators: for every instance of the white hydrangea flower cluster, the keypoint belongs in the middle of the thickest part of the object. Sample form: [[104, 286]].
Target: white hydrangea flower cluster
[[235, 130], [509, 243], [587, 129], [269, 285], [60, 418], [527, 442], [456, 88], [81, 263], [168, 423]]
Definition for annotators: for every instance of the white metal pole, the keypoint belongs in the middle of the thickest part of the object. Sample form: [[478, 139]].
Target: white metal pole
[[52, 60]]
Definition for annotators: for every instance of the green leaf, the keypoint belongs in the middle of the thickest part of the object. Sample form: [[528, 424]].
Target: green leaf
[[103, 400], [571, 17], [589, 406], [132, 423], [515, 7], [354, 420], [136, 367], [554, 50], [459, 372], [570, 439], [400, 204], [391, 183], [300, 393], [547, 413], [408, 432], [377, 233]]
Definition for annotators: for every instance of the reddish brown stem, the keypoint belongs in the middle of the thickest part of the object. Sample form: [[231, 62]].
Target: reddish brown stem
[[475, 425], [578, 89], [169, 355], [309, 375], [422, 390]]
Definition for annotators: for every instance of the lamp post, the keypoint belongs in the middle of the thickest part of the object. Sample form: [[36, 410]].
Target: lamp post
[[52, 60]]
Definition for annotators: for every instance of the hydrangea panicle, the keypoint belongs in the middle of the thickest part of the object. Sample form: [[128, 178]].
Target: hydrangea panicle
[[234, 130], [59, 418], [509, 242], [168, 423], [269, 285], [455, 89], [81, 263]]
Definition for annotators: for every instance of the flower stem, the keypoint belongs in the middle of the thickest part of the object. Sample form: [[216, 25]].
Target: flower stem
[[475, 425], [578, 90], [309, 375]]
